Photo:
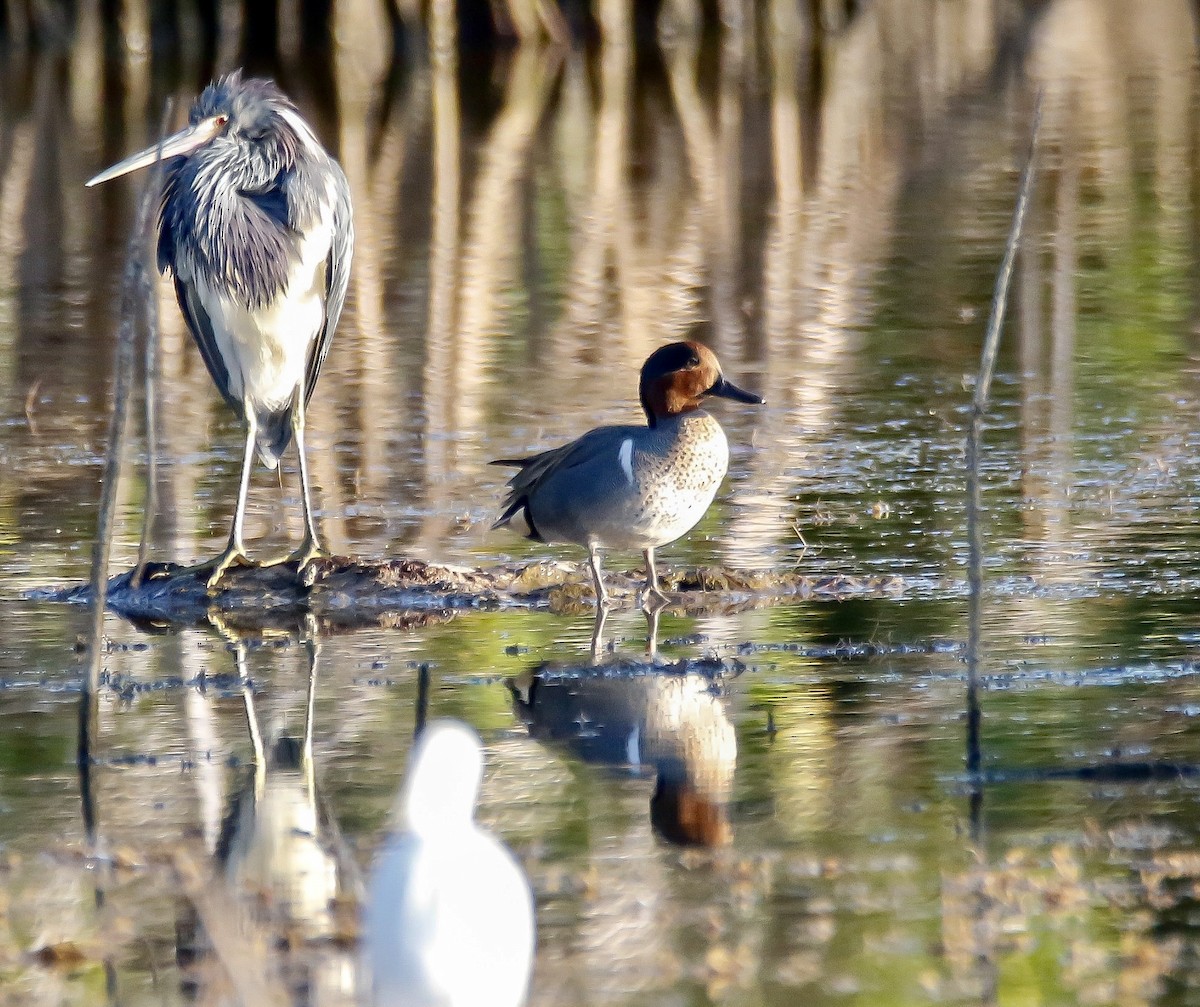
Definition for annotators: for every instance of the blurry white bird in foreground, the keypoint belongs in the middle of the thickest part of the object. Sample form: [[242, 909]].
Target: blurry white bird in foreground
[[449, 919]]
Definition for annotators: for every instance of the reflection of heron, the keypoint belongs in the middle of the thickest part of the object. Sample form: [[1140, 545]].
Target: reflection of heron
[[256, 228], [641, 715], [449, 920], [280, 849], [632, 487], [276, 842], [271, 841]]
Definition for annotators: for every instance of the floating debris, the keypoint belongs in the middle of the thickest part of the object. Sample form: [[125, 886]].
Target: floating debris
[[346, 593]]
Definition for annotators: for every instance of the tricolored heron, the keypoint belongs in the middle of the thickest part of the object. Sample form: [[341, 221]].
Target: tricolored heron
[[255, 227]]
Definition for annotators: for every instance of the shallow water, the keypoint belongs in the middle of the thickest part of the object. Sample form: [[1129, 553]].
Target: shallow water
[[829, 216]]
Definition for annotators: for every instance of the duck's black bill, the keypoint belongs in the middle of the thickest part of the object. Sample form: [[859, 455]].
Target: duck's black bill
[[728, 390]]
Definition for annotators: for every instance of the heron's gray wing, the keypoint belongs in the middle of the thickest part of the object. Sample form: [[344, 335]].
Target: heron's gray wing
[[199, 322], [337, 278], [167, 219]]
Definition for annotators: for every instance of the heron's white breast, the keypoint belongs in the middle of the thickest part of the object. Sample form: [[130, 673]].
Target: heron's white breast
[[265, 349]]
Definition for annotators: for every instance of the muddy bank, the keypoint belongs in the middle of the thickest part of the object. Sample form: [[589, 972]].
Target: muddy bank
[[341, 591]]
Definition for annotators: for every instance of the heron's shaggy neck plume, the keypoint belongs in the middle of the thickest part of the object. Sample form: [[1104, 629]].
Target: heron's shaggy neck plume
[[234, 211]]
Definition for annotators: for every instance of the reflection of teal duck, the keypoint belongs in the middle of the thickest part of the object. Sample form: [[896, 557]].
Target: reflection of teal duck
[[631, 487], [642, 716], [449, 919]]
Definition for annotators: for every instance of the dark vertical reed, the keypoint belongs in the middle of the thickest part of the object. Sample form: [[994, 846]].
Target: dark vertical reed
[[150, 368], [983, 384], [133, 297]]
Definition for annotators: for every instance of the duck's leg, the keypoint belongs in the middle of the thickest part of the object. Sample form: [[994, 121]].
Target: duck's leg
[[597, 578], [652, 591]]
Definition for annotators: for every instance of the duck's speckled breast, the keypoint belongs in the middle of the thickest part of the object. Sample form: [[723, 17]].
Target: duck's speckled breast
[[676, 473]]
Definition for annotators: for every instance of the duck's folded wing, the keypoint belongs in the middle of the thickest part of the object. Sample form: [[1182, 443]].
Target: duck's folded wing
[[537, 468]]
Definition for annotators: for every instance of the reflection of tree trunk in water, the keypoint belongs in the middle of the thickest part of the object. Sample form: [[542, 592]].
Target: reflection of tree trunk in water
[[680, 19], [1062, 354], [727, 245], [755, 534], [184, 432], [488, 264], [390, 168], [706, 161], [667, 301], [16, 182], [229, 33], [534, 19], [438, 386], [85, 82], [493, 241], [361, 57], [781, 256], [134, 19], [43, 224], [135, 66], [16, 195], [588, 290], [1034, 386], [571, 128], [289, 28]]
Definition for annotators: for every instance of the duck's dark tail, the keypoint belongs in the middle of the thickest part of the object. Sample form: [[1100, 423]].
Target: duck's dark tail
[[516, 504]]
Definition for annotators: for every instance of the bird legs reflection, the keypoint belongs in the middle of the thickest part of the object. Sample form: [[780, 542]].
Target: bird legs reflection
[[651, 609], [256, 742], [598, 631], [312, 648]]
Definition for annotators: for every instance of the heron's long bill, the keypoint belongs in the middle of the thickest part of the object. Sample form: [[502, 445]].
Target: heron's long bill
[[183, 142]]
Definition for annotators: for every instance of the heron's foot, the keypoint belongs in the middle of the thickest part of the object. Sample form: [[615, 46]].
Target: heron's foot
[[234, 555], [158, 570], [303, 556]]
